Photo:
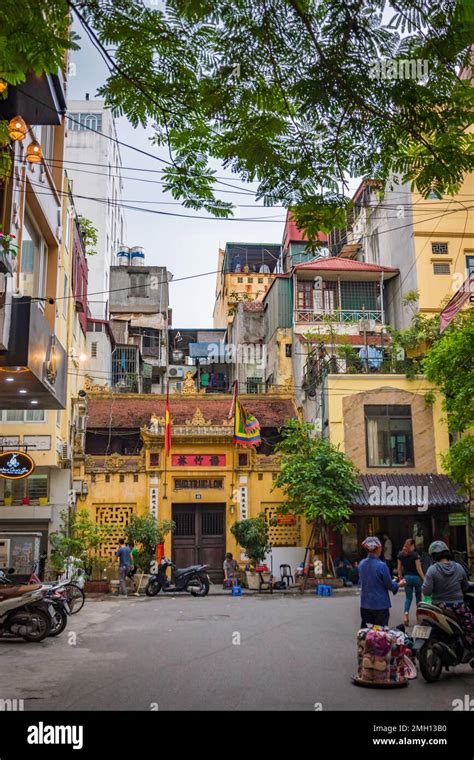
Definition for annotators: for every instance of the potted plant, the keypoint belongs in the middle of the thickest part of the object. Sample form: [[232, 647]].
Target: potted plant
[[252, 536], [25, 500], [8, 500], [80, 537], [43, 500]]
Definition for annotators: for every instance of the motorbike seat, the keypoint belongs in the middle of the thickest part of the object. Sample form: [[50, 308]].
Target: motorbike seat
[[12, 591], [187, 569]]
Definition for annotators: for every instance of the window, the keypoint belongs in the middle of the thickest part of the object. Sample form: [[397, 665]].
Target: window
[[240, 279], [389, 436], [33, 261], [243, 460], [138, 286], [94, 350], [304, 295], [122, 477], [249, 279], [79, 122], [439, 248], [441, 269], [469, 265], [260, 280], [34, 487], [47, 143], [58, 418], [23, 415], [288, 349]]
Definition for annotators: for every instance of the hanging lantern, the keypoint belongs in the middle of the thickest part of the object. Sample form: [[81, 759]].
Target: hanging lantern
[[17, 128], [3, 85], [34, 153]]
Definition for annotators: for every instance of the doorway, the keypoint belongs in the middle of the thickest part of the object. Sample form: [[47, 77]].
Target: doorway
[[199, 538]]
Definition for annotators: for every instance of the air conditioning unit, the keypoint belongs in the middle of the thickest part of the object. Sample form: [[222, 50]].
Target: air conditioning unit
[[366, 325], [65, 455], [176, 372]]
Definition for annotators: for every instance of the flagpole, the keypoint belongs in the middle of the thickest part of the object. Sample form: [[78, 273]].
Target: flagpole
[[167, 422]]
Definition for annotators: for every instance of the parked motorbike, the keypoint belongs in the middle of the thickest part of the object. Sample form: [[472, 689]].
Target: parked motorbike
[[193, 579], [439, 638], [23, 610]]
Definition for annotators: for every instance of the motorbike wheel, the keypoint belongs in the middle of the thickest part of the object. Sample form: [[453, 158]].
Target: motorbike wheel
[[152, 588], [59, 623], [200, 589], [430, 663], [40, 626]]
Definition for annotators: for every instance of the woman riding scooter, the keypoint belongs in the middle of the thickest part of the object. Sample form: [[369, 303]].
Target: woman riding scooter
[[446, 582]]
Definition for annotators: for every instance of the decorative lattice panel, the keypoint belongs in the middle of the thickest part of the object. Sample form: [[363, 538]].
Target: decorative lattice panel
[[282, 535], [116, 518]]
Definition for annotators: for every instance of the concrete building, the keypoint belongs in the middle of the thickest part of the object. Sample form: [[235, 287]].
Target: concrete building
[[139, 313], [94, 165], [245, 272]]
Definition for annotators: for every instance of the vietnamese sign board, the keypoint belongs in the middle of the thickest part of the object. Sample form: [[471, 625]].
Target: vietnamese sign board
[[457, 518], [15, 465]]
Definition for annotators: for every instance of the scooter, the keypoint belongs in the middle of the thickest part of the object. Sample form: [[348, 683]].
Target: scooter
[[24, 611], [439, 638], [193, 579]]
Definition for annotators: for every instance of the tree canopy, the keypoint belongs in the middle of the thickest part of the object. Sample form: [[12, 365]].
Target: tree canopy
[[318, 480], [295, 95]]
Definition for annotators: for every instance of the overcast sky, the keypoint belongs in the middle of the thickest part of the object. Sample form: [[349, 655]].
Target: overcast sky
[[185, 246]]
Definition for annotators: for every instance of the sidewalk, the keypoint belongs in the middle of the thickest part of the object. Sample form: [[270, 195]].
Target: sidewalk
[[217, 590]]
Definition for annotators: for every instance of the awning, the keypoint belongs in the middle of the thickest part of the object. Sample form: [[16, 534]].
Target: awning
[[407, 492], [213, 351]]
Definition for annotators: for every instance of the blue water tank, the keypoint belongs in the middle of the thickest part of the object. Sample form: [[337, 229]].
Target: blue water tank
[[123, 256], [137, 256]]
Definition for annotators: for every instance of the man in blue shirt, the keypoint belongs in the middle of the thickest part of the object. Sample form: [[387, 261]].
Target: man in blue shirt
[[125, 563], [375, 583]]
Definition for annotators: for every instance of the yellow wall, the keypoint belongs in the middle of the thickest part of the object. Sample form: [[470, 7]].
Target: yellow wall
[[136, 495], [341, 386], [454, 226]]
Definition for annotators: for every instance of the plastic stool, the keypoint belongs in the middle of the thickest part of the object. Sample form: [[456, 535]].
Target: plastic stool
[[236, 591], [323, 590]]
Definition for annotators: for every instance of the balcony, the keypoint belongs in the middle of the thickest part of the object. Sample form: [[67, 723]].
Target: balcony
[[322, 316], [35, 361]]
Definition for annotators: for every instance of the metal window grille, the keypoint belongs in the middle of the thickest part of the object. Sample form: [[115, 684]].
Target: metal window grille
[[439, 248], [441, 269]]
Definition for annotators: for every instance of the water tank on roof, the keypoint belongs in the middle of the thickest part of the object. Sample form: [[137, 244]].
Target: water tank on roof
[[123, 256], [137, 256]]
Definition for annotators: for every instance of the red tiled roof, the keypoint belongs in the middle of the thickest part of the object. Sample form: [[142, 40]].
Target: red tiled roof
[[336, 264], [441, 491], [132, 413]]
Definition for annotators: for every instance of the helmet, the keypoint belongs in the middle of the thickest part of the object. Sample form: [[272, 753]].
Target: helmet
[[437, 547]]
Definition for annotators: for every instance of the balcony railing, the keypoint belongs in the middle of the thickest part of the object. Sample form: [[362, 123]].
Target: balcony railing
[[310, 316]]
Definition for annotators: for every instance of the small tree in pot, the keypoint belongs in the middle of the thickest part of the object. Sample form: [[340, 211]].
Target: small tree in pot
[[252, 535], [146, 531]]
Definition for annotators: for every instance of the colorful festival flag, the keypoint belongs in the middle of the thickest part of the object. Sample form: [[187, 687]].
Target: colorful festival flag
[[246, 427]]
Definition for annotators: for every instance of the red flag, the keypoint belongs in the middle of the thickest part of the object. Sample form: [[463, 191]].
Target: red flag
[[457, 302], [167, 423]]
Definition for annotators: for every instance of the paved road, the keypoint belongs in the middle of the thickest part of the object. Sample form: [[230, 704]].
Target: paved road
[[178, 653]]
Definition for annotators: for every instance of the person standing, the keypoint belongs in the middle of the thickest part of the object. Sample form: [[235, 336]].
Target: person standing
[[375, 583], [409, 567], [388, 552], [125, 563]]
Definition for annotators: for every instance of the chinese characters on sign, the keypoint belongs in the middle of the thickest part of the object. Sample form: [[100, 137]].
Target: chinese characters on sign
[[198, 460]]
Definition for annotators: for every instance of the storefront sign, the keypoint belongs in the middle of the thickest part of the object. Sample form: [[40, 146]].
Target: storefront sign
[[15, 465], [457, 518], [190, 483], [198, 460]]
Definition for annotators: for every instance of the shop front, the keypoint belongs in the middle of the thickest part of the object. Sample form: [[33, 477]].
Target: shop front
[[422, 507]]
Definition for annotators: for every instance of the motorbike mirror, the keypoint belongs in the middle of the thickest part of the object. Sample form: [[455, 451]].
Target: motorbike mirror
[[11, 570]]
